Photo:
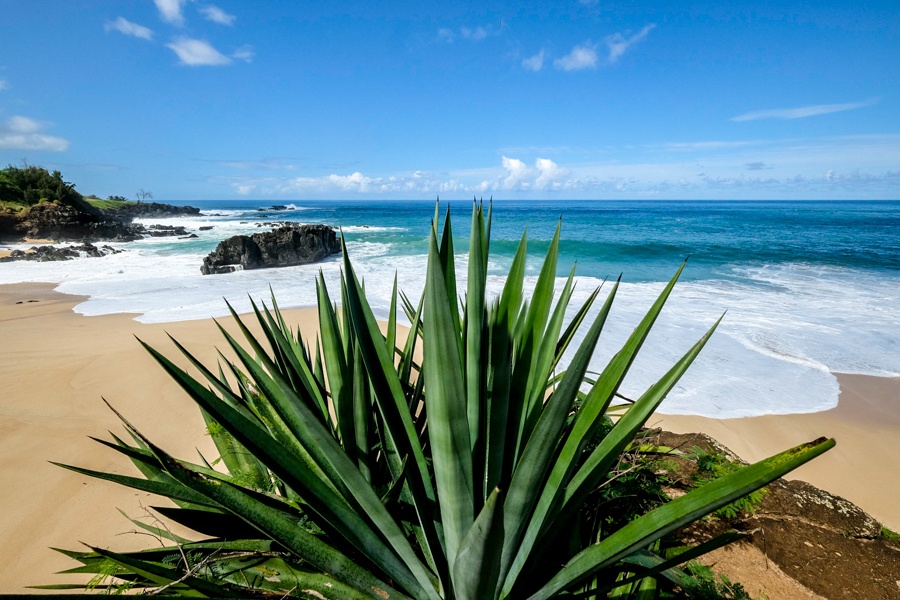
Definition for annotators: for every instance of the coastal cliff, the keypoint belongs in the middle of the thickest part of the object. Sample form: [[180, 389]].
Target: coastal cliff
[[38, 204]]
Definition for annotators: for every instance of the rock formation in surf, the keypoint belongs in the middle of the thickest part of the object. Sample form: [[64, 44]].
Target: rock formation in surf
[[282, 247]]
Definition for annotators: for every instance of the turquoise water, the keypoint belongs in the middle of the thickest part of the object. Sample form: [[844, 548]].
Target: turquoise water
[[642, 238], [809, 287]]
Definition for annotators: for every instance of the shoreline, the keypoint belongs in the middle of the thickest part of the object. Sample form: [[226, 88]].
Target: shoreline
[[56, 364], [5, 250]]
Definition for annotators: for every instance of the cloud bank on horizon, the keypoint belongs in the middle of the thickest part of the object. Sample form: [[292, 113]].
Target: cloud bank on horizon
[[669, 175], [585, 100]]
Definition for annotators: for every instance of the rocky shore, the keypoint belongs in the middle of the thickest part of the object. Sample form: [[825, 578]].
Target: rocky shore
[[62, 223], [54, 253], [284, 246]]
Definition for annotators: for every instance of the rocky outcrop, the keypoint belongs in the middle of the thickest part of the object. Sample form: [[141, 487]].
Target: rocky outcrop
[[48, 220], [56, 253], [60, 223], [167, 231], [282, 247], [149, 210]]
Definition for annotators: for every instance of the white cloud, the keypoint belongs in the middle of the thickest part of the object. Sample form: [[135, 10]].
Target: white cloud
[[268, 164], [357, 182], [170, 11], [803, 111], [126, 27], [618, 44], [19, 124], [709, 145], [23, 133], [550, 173], [475, 34], [581, 57], [518, 174], [215, 14], [534, 63], [3, 84], [861, 167], [545, 175], [197, 53], [244, 53]]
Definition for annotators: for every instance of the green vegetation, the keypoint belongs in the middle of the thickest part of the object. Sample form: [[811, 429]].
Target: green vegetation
[[702, 584], [25, 186], [351, 469], [111, 203], [712, 465], [9, 206], [10, 194], [891, 535]]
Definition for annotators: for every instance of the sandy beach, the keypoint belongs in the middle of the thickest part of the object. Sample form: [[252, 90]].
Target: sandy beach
[[55, 366]]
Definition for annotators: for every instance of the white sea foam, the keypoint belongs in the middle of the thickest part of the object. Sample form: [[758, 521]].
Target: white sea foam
[[368, 229], [787, 327]]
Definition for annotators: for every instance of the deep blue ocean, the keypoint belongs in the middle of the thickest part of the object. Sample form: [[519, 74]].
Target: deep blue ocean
[[809, 288]]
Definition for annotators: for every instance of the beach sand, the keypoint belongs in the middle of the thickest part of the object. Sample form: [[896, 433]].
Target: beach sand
[[55, 365]]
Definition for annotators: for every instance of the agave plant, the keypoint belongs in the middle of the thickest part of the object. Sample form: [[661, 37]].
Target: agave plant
[[354, 469]]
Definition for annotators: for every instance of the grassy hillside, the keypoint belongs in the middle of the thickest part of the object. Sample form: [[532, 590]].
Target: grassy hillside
[[107, 204]]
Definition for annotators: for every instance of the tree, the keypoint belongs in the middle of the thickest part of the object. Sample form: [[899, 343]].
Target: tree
[[9, 191], [143, 194], [29, 184]]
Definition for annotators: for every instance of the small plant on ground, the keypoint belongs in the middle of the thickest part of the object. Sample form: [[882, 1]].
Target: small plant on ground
[[711, 465], [353, 469], [891, 535], [702, 583]]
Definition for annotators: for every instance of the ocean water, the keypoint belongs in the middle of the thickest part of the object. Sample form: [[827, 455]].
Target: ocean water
[[808, 288]]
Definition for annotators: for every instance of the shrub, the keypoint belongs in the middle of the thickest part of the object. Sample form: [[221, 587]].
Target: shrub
[[353, 470], [32, 185]]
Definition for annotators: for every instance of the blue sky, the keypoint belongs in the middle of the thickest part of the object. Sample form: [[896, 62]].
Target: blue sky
[[583, 99]]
